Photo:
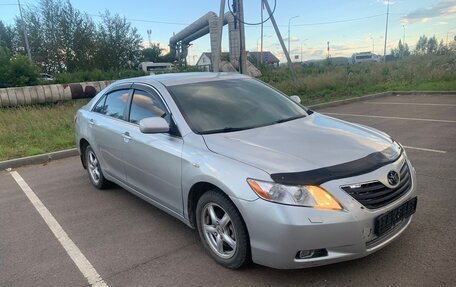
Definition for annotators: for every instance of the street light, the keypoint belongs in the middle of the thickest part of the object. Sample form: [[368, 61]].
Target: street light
[[289, 21]]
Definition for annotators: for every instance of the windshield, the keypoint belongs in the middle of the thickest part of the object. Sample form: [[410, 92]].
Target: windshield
[[232, 105]]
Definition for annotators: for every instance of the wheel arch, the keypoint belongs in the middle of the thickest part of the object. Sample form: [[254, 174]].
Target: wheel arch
[[83, 144]]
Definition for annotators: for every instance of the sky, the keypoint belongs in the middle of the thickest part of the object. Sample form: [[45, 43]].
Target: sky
[[350, 26]]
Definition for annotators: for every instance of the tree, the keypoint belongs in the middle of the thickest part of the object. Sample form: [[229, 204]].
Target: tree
[[61, 38], [118, 43], [6, 36], [401, 51], [16, 71], [421, 45], [432, 45], [151, 54], [442, 49]]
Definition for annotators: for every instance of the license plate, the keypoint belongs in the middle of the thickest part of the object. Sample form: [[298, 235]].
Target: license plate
[[388, 220]]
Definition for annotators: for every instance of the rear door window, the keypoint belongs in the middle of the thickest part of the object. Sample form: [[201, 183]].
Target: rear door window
[[114, 104]]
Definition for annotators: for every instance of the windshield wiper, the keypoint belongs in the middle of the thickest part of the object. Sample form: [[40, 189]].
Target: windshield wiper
[[289, 119], [224, 130]]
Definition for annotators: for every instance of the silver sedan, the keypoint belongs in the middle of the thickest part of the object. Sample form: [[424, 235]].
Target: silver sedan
[[261, 177]]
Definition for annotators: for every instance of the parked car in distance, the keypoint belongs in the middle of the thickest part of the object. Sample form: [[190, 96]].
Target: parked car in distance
[[260, 176], [47, 77]]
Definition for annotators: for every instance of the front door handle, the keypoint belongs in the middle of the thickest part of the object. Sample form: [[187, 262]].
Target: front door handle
[[126, 136]]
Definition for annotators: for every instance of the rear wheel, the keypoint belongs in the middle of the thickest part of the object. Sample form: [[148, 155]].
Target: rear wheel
[[222, 230], [94, 169]]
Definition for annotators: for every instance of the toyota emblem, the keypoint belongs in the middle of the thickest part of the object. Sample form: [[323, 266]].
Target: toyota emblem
[[393, 178]]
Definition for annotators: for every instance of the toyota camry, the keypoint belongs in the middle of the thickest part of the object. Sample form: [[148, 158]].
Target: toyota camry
[[260, 176]]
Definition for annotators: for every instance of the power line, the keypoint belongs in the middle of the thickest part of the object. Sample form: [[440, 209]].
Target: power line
[[146, 21], [337, 21]]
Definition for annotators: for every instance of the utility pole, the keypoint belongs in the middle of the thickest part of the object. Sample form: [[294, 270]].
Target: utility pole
[[24, 27], [149, 32], [386, 29], [327, 56], [279, 36], [289, 36], [243, 60], [261, 46], [216, 64], [403, 35]]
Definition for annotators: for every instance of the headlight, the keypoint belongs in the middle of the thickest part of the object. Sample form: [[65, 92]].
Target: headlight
[[305, 195]]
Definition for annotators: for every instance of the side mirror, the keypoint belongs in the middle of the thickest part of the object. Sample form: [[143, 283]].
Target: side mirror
[[296, 99], [153, 125]]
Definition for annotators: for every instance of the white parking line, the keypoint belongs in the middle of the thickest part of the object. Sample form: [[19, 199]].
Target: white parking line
[[394, 118], [73, 251], [425, 149], [416, 104]]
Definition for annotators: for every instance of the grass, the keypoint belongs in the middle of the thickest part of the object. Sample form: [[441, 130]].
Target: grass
[[32, 130], [317, 84]]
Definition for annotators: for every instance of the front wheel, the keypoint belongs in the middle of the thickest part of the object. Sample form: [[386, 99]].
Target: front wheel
[[94, 169], [222, 230]]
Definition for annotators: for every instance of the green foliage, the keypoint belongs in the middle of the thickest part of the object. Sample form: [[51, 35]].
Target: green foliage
[[64, 39], [96, 75], [17, 71], [118, 43], [6, 36], [22, 72], [61, 38], [317, 84], [427, 45], [151, 54], [31, 130], [401, 51]]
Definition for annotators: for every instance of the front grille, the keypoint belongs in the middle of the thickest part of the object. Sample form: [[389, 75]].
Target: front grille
[[375, 194]]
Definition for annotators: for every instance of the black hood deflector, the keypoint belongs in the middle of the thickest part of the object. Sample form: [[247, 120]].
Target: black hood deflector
[[319, 176]]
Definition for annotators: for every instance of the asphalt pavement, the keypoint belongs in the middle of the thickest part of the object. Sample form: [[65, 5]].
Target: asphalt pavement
[[129, 242]]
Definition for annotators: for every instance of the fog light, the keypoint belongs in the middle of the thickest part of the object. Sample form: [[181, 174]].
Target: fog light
[[303, 254]]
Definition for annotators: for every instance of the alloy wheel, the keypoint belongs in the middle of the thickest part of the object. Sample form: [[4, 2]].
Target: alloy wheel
[[218, 230]]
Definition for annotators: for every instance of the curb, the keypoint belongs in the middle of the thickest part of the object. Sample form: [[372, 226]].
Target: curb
[[38, 159]]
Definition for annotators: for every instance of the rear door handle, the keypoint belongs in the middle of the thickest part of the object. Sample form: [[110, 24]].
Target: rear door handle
[[91, 122]]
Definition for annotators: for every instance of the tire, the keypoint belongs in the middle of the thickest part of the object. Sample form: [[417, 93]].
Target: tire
[[94, 169], [224, 238]]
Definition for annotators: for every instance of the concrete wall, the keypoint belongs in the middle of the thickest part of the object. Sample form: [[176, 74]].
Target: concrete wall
[[21, 96]]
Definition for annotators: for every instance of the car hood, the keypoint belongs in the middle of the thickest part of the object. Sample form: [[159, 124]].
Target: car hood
[[304, 144]]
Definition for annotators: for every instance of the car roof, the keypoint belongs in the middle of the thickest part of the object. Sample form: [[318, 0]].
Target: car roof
[[173, 79]]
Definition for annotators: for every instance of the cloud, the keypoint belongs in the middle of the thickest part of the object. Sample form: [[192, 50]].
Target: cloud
[[423, 15], [385, 2], [292, 39], [441, 23]]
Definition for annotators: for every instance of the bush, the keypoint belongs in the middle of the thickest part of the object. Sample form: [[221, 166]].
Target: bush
[[17, 71], [318, 83], [96, 75]]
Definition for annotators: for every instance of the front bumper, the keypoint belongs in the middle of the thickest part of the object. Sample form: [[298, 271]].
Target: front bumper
[[278, 232]]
